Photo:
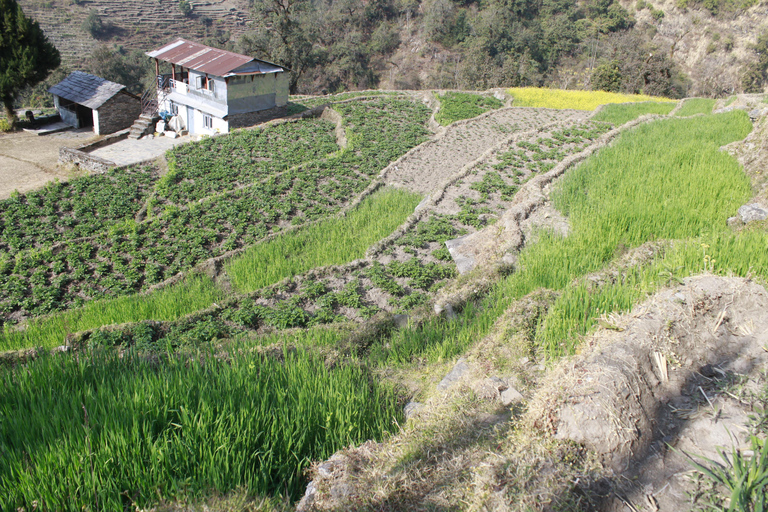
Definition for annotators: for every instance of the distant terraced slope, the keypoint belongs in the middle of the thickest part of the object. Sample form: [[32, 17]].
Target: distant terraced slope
[[141, 25]]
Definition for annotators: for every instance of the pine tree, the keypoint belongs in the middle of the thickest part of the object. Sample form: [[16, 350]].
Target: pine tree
[[26, 55]]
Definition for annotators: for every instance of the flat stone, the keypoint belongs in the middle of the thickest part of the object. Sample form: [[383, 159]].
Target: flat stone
[[422, 204], [412, 408], [464, 263], [49, 129], [400, 321], [752, 212], [459, 370], [734, 221], [511, 396], [130, 151], [445, 308]]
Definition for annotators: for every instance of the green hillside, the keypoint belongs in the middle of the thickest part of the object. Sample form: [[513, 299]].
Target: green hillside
[[201, 335]]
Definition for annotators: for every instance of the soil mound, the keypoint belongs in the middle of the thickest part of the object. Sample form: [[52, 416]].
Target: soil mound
[[660, 377]]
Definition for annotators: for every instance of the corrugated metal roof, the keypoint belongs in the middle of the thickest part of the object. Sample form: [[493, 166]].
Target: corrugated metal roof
[[86, 89], [200, 57]]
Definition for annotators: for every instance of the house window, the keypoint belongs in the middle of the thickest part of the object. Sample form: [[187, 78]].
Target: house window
[[210, 84], [208, 122], [199, 82], [174, 109]]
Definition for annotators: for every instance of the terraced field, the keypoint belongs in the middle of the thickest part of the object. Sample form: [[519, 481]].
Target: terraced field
[[463, 142], [289, 278], [135, 25]]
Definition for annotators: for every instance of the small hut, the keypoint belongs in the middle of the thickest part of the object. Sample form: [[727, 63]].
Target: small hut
[[85, 100]]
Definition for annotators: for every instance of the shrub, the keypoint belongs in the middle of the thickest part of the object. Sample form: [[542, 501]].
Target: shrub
[[93, 24], [185, 7], [607, 77]]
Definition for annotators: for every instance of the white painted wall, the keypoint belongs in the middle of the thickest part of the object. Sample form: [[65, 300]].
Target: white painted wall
[[198, 124]]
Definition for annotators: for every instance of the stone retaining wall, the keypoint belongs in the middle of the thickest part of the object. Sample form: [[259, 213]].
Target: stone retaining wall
[[81, 156]]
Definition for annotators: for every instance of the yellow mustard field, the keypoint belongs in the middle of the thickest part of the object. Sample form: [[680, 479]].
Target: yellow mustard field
[[578, 100]]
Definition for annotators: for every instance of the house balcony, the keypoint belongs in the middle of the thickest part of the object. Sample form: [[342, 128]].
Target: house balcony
[[219, 97], [212, 102]]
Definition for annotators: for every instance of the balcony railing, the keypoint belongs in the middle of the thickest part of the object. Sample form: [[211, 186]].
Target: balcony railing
[[205, 94]]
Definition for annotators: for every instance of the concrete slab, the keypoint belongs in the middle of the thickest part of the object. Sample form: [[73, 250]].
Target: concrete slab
[[131, 151], [49, 129]]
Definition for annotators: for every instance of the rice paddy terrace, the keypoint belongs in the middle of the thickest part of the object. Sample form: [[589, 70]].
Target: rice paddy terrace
[[203, 329]]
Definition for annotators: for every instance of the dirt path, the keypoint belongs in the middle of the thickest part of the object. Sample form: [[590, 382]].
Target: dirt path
[[463, 142], [29, 161]]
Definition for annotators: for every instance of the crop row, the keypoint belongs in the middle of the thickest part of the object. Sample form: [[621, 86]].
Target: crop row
[[76, 209], [128, 255]]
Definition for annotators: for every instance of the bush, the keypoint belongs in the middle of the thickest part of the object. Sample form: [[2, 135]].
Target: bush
[[185, 7], [607, 77], [93, 24], [755, 74]]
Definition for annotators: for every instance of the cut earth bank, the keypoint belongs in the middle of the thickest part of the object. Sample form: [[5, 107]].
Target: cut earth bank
[[619, 398]]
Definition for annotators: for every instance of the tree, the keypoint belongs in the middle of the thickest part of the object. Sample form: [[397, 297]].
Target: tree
[[755, 74], [285, 36], [607, 77], [93, 24], [26, 55]]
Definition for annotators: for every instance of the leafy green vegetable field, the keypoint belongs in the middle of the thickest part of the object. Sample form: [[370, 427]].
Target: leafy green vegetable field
[[455, 106], [220, 194], [331, 241]]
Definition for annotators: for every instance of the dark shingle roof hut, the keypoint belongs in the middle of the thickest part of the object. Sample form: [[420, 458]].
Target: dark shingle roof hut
[[83, 100]]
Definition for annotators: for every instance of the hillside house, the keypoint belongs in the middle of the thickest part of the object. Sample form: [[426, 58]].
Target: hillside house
[[85, 100], [213, 90]]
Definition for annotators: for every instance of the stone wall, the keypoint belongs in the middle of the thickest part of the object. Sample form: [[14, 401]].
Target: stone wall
[[80, 155], [84, 160], [253, 118], [118, 113]]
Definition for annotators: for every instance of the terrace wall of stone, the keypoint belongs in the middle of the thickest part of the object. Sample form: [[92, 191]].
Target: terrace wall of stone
[[80, 155]]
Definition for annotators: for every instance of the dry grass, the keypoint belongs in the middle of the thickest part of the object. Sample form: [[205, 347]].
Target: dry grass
[[464, 446]]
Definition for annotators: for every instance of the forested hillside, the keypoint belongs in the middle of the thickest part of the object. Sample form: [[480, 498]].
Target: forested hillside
[[670, 48]]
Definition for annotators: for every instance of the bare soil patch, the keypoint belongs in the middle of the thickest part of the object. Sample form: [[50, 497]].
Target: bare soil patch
[[29, 161], [667, 379], [425, 168]]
